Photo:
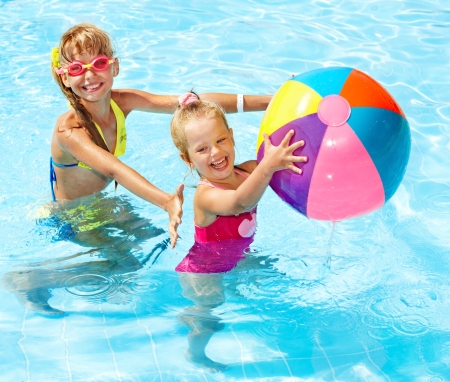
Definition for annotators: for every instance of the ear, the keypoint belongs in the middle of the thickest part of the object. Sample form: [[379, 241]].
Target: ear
[[65, 80], [186, 160], [116, 68]]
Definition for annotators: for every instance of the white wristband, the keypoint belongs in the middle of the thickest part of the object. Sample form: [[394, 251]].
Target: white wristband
[[240, 103]]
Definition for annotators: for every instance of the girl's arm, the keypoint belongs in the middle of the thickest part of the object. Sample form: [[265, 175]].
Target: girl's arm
[[229, 101], [132, 99], [214, 201], [80, 146]]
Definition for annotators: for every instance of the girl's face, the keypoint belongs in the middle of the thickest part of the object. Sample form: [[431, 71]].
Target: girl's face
[[210, 148], [92, 85]]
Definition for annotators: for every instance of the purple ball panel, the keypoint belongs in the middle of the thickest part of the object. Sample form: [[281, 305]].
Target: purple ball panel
[[291, 187]]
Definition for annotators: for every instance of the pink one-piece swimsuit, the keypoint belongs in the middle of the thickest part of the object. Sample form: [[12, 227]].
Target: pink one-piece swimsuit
[[219, 246]]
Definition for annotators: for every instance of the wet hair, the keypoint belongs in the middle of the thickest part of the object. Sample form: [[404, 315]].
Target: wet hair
[[81, 39], [191, 112]]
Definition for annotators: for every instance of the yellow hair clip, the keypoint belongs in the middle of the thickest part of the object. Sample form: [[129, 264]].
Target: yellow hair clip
[[55, 57]]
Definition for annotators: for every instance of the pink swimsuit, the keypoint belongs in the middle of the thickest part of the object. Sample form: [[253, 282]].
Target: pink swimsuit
[[219, 246]]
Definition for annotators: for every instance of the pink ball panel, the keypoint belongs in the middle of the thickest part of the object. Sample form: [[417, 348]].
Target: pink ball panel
[[345, 182]]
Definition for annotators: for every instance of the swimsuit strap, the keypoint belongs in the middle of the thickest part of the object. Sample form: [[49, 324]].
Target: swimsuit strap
[[209, 184], [121, 135], [120, 126], [52, 179], [101, 133], [241, 173], [53, 163]]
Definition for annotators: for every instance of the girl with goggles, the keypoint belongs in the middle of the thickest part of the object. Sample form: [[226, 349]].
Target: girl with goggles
[[89, 138]]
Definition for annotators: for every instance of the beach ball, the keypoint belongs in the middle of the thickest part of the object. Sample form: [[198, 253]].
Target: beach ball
[[357, 141]]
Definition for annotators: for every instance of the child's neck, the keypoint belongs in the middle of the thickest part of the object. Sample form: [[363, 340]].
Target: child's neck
[[100, 110]]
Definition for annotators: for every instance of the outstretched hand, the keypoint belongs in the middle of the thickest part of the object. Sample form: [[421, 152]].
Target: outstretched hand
[[175, 211], [281, 157]]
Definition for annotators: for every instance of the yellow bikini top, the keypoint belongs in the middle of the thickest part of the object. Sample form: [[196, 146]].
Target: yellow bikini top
[[121, 138]]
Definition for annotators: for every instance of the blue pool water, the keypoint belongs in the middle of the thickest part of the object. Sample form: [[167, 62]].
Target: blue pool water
[[367, 302]]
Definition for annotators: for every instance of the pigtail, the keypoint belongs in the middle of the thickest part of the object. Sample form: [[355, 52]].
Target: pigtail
[[85, 118]]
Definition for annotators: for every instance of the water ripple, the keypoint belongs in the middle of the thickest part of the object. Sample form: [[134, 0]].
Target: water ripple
[[277, 327], [92, 287], [406, 312]]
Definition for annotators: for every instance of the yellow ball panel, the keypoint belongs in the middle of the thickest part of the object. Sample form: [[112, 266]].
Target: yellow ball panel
[[292, 101]]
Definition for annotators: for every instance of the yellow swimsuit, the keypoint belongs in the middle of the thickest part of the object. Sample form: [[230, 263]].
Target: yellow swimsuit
[[121, 144], [121, 138]]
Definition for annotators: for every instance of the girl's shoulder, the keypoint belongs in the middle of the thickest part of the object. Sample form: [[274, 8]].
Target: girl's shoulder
[[124, 99], [66, 121], [247, 167]]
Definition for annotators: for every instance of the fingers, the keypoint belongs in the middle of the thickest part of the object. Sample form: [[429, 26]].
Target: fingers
[[173, 237], [287, 138], [173, 226], [297, 145], [285, 157], [285, 142], [294, 168], [301, 159], [175, 214], [180, 190], [267, 141], [179, 194]]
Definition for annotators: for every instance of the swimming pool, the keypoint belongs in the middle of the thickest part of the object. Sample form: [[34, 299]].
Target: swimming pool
[[365, 302]]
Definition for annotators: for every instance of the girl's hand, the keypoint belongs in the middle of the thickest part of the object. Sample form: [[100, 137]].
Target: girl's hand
[[281, 157], [175, 211]]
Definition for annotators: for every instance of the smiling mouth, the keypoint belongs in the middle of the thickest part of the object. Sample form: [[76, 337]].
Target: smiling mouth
[[220, 165], [92, 88]]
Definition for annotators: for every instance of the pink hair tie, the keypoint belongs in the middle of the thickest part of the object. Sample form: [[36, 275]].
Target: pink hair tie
[[187, 98]]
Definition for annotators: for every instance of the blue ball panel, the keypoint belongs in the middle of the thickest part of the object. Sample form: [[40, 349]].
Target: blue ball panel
[[386, 137], [325, 81]]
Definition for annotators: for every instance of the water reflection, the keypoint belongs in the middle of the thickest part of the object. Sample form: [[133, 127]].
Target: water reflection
[[201, 276], [206, 291], [111, 231]]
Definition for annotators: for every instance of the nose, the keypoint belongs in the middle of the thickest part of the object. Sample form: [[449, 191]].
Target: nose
[[214, 151], [89, 71]]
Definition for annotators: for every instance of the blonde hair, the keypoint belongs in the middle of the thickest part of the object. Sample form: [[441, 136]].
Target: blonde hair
[[191, 112], [81, 39]]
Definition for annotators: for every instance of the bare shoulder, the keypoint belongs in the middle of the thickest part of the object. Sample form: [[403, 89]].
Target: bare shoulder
[[125, 99], [201, 193], [68, 130], [248, 166], [66, 122]]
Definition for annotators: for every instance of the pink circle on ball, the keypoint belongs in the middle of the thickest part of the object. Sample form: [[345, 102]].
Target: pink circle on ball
[[334, 110]]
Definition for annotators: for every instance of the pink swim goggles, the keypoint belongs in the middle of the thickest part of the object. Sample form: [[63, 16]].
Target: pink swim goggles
[[77, 68]]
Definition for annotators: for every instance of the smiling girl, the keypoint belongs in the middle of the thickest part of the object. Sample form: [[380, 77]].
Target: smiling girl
[[227, 194], [91, 135]]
